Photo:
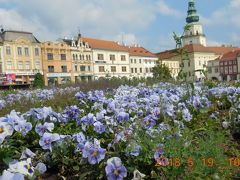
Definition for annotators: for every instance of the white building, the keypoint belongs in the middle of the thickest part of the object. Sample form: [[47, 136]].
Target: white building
[[141, 62], [194, 43], [213, 71], [193, 34], [109, 58]]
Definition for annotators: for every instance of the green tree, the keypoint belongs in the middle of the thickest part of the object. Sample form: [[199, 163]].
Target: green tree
[[38, 80], [161, 71]]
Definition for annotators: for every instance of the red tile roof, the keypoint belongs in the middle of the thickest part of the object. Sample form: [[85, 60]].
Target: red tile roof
[[232, 55], [196, 48], [139, 51], [104, 44]]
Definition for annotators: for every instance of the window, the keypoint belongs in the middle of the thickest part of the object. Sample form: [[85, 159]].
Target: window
[[131, 60], [221, 70], [8, 50], [27, 65], [189, 74], [131, 70], [230, 62], [50, 68], [37, 64], [100, 57], [226, 70], [146, 70], [76, 68], [64, 68], [20, 65], [112, 57], [113, 68], [73, 56], [63, 56], [135, 61], [225, 63], [101, 69], [230, 69], [36, 52], [82, 68], [124, 69], [209, 70], [140, 61], [26, 50], [135, 70], [89, 68], [19, 49], [216, 69], [189, 63], [50, 56], [140, 70], [123, 58], [234, 69], [82, 57], [9, 65]]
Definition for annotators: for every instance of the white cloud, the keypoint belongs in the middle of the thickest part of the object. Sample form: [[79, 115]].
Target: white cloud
[[164, 9], [96, 18]]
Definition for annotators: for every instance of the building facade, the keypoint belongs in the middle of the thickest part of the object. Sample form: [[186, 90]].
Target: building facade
[[109, 58], [213, 70], [82, 59], [229, 66], [141, 62], [21, 56], [171, 60], [193, 32], [57, 63], [194, 65]]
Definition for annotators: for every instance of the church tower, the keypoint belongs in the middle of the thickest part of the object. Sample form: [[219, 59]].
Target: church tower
[[193, 34]]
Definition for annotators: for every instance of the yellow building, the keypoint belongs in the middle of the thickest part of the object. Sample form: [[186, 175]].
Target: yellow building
[[57, 63], [21, 55]]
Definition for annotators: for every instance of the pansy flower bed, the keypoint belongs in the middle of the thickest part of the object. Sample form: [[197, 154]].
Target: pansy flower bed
[[159, 132]]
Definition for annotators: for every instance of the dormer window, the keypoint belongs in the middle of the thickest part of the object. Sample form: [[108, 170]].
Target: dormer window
[[87, 46], [73, 44]]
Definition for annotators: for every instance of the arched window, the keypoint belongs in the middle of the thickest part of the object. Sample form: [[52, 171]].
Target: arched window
[[87, 57], [80, 57], [76, 57], [73, 56]]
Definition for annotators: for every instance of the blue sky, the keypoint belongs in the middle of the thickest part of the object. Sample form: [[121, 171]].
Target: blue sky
[[149, 23]]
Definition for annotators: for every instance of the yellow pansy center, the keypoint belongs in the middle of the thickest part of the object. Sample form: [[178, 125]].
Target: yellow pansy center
[[94, 154], [147, 122], [47, 141], [1, 130], [115, 172]]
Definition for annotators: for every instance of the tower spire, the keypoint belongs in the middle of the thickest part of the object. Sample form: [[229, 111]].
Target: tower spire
[[192, 13]]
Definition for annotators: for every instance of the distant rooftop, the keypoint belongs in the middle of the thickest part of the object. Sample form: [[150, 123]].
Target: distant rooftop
[[12, 35]]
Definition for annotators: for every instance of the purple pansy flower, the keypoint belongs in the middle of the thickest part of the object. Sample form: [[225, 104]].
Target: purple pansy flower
[[122, 116], [5, 130], [41, 129], [23, 127], [99, 127], [93, 152], [115, 170], [47, 139], [148, 122]]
